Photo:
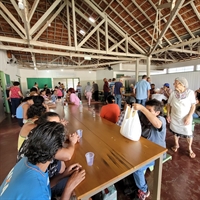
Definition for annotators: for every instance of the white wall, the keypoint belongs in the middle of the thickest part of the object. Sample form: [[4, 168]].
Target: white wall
[[192, 77], [84, 76], [10, 69]]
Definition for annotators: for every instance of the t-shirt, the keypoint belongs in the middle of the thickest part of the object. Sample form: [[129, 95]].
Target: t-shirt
[[118, 85], [110, 112], [159, 97], [74, 99], [15, 92], [142, 88], [79, 89], [26, 181], [59, 93], [151, 133], [106, 87]]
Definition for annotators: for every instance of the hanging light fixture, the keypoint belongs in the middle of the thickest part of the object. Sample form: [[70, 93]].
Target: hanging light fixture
[[20, 4]]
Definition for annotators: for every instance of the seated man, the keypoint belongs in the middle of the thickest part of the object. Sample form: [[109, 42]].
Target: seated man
[[153, 129], [110, 111], [29, 178]]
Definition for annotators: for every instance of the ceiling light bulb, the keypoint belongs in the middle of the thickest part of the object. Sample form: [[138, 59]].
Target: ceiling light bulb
[[82, 32], [61, 70], [20, 4], [91, 19]]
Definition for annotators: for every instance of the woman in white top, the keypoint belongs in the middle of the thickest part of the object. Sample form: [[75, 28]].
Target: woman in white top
[[181, 106], [88, 93]]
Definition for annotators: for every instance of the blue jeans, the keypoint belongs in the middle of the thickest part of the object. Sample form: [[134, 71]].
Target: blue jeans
[[141, 101], [118, 100], [139, 177], [195, 116]]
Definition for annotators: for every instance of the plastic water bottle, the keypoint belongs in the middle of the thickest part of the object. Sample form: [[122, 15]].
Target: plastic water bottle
[[93, 113], [81, 107]]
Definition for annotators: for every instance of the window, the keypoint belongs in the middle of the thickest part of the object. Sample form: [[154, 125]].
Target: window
[[198, 67], [72, 83], [164, 71], [181, 69]]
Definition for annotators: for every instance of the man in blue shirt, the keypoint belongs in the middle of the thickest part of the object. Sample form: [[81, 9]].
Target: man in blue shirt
[[142, 90], [29, 178]]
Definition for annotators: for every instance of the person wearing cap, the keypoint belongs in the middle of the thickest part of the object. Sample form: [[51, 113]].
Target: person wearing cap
[[181, 106], [166, 90]]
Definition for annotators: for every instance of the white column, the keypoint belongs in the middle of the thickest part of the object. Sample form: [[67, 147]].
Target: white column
[[148, 65], [137, 69]]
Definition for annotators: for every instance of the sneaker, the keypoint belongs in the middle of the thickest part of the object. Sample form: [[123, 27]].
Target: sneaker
[[13, 116], [143, 195]]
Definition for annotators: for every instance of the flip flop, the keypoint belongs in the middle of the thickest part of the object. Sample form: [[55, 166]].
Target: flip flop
[[174, 148], [192, 155]]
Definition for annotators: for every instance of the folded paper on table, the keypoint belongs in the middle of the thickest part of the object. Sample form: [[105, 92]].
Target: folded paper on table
[[131, 127]]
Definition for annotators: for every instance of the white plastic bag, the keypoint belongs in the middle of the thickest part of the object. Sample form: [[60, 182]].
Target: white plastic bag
[[131, 127]]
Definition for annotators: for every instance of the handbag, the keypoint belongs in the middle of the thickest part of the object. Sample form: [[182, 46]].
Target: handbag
[[131, 127]]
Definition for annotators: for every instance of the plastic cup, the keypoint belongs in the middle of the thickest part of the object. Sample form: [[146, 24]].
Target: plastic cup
[[80, 133], [89, 158]]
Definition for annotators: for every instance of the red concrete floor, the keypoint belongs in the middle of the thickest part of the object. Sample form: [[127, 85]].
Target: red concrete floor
[[180, 177]]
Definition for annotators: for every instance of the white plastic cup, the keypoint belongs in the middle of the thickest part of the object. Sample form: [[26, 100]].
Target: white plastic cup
[[80, 133], [89, 158]]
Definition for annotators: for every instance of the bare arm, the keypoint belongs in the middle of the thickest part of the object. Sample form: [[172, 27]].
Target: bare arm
[[20, 94], [76, 178], [25, 108], [65, 154], [148, 94], [189, 115], [168, 113], [151, 117]]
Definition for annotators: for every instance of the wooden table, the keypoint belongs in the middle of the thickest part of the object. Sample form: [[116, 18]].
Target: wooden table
[[115, 156]]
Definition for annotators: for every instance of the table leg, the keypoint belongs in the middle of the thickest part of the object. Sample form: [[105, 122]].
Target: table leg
[[157, 178]]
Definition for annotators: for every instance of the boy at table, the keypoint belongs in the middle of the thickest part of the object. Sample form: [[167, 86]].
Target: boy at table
[[29, 178], [153, 129]]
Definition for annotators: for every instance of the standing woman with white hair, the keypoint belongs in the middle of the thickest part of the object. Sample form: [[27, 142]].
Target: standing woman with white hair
[[181, 106], [88, 93]]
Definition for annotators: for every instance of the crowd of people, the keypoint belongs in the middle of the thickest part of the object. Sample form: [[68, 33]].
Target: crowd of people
[[40, 142]]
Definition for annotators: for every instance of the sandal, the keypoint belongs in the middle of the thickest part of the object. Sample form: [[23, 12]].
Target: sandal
[[174, 148], [192, 154]]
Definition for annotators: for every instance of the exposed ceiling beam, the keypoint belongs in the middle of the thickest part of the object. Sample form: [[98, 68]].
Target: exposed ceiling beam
[[195, 10], [74, 23], [49, 22], [68, 23], [93, 24], [12, 17], [185, 51], [115, 27], [60, 53], [67, 48], [90, 34], [191, 41], [39, 23], [173, 14], [116, 44], [12, 25], [35, 4], [16, 7]]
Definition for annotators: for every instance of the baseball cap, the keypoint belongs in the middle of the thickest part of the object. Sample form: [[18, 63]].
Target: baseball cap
[[166, 85]]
